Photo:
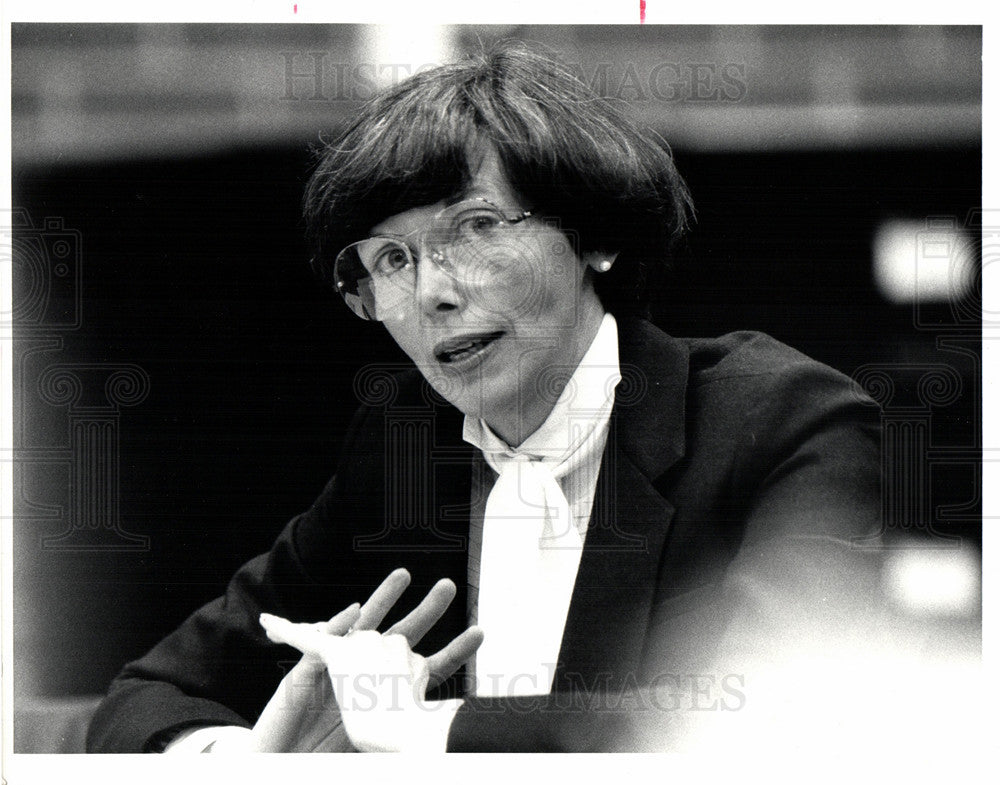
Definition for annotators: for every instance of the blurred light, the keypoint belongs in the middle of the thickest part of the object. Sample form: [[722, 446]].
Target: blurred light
[[940, 583], [922, 261], [400, 50]]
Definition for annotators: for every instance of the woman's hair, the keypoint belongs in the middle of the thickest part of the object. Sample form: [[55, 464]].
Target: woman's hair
[[570, 153]]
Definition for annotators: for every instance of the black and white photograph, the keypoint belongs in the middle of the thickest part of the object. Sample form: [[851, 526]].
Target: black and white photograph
[[502, 388]]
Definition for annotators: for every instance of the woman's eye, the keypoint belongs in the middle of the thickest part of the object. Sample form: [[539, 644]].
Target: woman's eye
[[391, 259], [479, 224]]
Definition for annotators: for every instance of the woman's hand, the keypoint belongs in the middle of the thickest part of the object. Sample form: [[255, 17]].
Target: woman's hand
[[380, 682], [303, 715]]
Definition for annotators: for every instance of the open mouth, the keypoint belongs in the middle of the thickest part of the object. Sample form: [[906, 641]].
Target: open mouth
[[455, 350]]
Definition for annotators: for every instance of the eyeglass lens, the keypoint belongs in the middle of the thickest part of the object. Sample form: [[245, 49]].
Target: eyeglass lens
[[377, 274]]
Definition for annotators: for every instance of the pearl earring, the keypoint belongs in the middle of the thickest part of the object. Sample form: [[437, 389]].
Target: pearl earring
[[604, 266]]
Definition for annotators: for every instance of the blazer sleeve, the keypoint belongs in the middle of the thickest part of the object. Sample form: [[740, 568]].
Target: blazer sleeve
[[218, 667], [803, 473]]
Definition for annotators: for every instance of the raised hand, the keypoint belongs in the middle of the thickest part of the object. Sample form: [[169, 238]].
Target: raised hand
[[303, 715], [380, 682]]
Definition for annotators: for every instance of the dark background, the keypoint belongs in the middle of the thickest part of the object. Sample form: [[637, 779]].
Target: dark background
[[195, 270]]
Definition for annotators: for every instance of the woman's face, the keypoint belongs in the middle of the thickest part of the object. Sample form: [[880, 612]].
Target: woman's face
[[484, 334]]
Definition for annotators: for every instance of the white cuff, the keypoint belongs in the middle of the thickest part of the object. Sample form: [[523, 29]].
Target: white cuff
[[434, 727], [223, 738]]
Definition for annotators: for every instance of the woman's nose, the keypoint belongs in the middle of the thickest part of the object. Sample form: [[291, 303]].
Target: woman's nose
[[437, 288]]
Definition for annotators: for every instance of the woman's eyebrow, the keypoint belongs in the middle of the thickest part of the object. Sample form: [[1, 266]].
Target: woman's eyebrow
[[473, 193], [391, 235], [451, 201]]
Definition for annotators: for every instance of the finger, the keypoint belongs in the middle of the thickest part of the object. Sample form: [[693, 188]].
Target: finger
[[304, 637], [445, 662], [340, 624], [426, 614], [382, 600], [343, 621]]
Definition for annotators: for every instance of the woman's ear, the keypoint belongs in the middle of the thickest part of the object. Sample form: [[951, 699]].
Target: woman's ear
[[600, 261]]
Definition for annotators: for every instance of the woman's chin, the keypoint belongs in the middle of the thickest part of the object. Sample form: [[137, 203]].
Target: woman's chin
[[480, 401]]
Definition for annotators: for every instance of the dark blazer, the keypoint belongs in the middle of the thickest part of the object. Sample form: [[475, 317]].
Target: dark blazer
[[737, 475]]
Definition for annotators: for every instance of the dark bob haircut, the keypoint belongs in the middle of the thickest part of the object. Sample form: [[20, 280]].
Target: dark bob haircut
[[571, 154]]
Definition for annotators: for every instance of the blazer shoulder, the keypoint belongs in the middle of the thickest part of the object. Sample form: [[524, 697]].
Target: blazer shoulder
[[746, 354], [750, 372]]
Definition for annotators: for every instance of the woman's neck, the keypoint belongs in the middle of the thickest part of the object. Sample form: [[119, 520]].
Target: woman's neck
[[516, 424]]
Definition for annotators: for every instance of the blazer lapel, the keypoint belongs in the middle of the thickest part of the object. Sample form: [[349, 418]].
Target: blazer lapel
[[612, 598]]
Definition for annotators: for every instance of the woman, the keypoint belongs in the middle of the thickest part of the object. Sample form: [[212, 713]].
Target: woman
[[611, 507]]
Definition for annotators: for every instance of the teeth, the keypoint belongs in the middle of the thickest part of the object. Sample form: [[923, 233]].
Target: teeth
[[467, 349], [471, 347]]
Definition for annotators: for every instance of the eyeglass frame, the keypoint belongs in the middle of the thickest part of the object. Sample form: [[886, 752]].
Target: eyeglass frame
[[413, 257]]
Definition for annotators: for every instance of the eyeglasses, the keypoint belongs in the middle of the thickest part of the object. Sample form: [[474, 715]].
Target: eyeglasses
[[376, 275]]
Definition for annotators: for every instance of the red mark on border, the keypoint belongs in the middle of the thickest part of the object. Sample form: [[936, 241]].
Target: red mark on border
[[642, 12], [295, 8]]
